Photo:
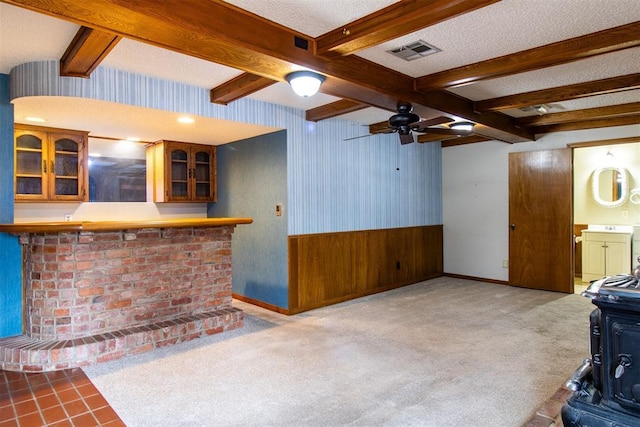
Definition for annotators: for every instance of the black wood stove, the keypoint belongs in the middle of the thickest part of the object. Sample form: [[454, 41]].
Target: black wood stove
[[606, 388]]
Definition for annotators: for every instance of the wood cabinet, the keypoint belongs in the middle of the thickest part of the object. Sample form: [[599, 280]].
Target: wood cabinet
[[181, 172], [605, 254], [50, 164]]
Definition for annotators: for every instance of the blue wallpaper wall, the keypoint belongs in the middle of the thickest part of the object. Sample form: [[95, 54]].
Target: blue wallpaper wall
[[332, 184], [252, 179], [10, 251]]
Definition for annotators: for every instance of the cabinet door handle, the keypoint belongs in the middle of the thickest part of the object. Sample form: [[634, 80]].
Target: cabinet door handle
[[53, 167], [44, 166]]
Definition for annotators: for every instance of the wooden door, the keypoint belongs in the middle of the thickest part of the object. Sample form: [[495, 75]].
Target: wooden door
[[541, 220]]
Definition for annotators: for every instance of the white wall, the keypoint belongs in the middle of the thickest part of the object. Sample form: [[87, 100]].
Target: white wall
[[476, 199]]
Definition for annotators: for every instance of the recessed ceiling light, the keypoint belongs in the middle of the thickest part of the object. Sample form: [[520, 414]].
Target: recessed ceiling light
[[35, 119], [185, 119]]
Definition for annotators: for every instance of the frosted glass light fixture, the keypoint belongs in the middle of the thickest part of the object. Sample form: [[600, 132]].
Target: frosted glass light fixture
[[462, 126], [305, 83]]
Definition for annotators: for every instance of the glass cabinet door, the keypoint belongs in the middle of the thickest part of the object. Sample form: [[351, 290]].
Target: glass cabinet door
[[203, 178], [31, 165], [65, 166], [179, 174]]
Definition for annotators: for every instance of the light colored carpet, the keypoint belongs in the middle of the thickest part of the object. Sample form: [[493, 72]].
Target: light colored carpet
[[444, 352]]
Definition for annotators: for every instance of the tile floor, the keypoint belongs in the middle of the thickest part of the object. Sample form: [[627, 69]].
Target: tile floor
[[60, 398]]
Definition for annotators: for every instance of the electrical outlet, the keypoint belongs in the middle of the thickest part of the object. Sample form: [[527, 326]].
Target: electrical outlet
[[505, 263], [625, 213]]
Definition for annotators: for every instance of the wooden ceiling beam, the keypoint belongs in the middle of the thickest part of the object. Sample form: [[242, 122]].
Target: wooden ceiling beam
[[333, 109], [392, 22], [589, 124], [562, 52], [238, 87], [560, 93], [85, 52], [620, 110], [217, 31], [463, 140]]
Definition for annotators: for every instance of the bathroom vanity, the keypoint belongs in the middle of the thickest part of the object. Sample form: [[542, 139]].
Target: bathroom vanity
[[606, 251]]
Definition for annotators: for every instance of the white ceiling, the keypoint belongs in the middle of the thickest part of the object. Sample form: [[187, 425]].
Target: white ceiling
[[499, 29]]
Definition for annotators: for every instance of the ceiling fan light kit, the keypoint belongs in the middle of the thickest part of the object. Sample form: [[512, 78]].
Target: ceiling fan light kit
[[305, 83], [462, 126]]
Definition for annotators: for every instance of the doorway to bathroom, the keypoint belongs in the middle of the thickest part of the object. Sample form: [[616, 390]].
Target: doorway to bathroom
[[606, 199]]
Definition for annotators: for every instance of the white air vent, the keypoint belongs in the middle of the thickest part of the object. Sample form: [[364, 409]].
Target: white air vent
[[414, 50]]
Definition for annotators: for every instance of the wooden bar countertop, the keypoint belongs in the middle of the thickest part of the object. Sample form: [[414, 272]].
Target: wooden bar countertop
[[67, 226]]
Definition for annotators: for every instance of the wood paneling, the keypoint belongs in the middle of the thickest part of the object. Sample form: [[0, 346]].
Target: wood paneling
[[328, 268]]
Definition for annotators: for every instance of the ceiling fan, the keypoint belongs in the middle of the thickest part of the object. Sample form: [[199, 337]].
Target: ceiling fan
[[405, 122]]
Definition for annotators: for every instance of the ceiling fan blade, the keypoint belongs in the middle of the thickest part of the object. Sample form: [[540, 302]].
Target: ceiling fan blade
[[356, 137], [382, 127], [432, 122]]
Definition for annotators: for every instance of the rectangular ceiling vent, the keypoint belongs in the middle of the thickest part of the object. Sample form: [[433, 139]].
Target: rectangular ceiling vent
[[414, 50]]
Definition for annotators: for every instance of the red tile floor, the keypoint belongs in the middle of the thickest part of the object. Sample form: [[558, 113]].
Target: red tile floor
[[59, 398]]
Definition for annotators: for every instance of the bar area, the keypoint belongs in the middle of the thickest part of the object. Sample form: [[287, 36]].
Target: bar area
[[98, 291]]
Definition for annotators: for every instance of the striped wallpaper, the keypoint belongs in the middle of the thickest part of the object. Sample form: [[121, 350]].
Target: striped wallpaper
[[332, 184]]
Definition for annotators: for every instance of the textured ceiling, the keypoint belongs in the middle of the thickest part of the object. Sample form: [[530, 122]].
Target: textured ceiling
[[501, 28]]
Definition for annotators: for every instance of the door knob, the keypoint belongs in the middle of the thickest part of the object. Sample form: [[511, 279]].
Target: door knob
[[513, 226]]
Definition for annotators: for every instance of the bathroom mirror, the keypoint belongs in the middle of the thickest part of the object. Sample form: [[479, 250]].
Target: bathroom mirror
[[610, 186]]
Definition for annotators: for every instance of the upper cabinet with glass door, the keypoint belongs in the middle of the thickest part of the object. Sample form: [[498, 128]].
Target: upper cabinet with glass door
[[181, 172], [50, 164]]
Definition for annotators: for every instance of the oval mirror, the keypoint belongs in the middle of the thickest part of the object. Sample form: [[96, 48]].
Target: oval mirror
[[610, 186]]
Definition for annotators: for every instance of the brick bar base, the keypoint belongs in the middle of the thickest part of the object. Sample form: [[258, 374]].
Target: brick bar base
[[97, 295], [25, 354]]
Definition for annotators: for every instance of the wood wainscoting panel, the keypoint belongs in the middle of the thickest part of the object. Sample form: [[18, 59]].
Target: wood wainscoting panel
[[328, 268]]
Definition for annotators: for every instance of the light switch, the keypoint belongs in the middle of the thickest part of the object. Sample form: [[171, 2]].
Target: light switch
[[278, 210]]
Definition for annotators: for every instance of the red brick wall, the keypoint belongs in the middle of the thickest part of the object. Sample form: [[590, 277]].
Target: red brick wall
[[88, 283]]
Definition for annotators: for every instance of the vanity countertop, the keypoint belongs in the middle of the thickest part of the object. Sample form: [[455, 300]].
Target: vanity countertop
[[619, 229], [67, 226]]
